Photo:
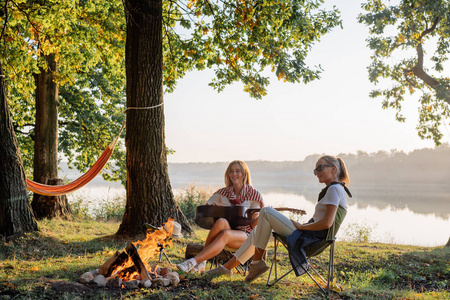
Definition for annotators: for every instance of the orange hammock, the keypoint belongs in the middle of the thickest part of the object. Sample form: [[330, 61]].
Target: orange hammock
[[56, 190]]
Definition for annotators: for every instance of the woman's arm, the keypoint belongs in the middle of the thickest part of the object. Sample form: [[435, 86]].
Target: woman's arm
[[324, 223], [218, 200]]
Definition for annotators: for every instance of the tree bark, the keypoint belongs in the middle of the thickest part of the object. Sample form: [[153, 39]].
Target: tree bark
[[418, 68], [16, 216], [51, 206], [149, 193], [45, 165]]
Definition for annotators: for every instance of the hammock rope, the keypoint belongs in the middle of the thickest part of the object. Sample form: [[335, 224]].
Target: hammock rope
[[57, 190]]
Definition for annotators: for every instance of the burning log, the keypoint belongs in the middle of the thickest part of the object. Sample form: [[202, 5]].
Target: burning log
[[103, 270], [118, 261], [134, 255], [125, 273]]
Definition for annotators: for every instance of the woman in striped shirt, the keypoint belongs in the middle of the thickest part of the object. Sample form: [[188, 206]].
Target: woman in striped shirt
[[237, 191]]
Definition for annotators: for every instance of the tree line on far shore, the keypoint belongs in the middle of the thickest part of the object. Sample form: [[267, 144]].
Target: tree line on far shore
[[388, 168]]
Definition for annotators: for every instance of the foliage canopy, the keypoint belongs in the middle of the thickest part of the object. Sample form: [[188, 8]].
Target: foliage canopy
[[87, 41], [241, 38], [238, 39], [401, 30]]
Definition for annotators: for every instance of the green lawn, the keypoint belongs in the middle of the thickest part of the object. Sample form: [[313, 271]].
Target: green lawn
[[42, 265]]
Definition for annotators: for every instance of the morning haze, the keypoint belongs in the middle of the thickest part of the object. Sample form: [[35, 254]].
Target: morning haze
[[416, 180]]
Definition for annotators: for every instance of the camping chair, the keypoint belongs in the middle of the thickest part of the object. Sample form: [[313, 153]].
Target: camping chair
[[312, 251]]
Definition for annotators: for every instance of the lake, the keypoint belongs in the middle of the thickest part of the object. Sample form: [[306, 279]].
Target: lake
[[408, 215]]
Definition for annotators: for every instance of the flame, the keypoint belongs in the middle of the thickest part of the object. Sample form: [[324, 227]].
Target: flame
[[155, 241], [148, 248]]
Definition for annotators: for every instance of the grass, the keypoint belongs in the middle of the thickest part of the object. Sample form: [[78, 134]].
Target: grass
[[32, 266]]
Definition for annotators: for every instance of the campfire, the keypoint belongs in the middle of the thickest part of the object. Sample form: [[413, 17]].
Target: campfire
[[128, 269]]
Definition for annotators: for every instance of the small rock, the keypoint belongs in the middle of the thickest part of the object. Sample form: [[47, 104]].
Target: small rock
[[114, 282], [173, 277], [174, 274], [165, 271], [86, 277], [95, 272], [161, 282], [146, 283], [100, 280], [131, 285]]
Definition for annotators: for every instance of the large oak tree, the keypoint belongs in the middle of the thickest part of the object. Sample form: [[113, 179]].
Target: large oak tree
[[16, 216]]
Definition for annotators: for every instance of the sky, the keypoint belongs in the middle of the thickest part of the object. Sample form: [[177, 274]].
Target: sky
[[328, 116]]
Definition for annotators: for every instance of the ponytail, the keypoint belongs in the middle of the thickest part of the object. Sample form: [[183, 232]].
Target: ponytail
[[343, 174]]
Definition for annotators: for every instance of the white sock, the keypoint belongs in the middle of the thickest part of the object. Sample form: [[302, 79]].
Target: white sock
[[254, 262], [193, 261]]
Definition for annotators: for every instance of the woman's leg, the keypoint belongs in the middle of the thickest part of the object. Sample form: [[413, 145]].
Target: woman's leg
[[270, 219], [246, 251], [220, 235], [219, 226], [231, 238], [241, 256]]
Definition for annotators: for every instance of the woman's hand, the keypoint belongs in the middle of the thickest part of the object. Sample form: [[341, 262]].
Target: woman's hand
[[297, 225], [246, 228], [324, 223]]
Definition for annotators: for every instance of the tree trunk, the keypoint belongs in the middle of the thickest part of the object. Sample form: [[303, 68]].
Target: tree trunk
[[149, 194], [45, 167], [16, 216], [51, 206]]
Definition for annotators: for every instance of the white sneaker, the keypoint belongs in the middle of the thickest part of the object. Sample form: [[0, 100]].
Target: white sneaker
[[200, 267], [186, 266]]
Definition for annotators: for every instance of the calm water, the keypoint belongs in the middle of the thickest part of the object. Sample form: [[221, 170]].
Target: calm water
[[410, 217]]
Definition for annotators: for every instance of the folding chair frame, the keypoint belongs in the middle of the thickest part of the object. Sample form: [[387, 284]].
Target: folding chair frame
[[313, 251], [278, 240]]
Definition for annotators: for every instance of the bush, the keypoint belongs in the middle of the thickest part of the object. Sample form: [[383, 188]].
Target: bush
[[190, 198], [111, 210], [359, 233], [79, 207], [99, 209]]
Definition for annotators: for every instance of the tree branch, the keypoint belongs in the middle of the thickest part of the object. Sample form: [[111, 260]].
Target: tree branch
[[6, 21], [418, 68]]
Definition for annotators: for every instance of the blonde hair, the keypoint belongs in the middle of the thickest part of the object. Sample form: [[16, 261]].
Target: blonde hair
[[338, 162], [245, 173]]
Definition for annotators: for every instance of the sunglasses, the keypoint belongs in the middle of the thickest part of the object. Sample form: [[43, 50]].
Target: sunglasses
[[320, 168]]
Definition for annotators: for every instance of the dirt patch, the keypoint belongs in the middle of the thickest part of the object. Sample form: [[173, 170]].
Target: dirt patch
[[72, 287]]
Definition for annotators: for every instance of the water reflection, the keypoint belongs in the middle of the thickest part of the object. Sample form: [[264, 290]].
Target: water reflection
[[387, 225], [400, 215], [421, 199]]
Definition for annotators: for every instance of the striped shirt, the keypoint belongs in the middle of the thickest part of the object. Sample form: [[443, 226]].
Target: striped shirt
[[248, 197]]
